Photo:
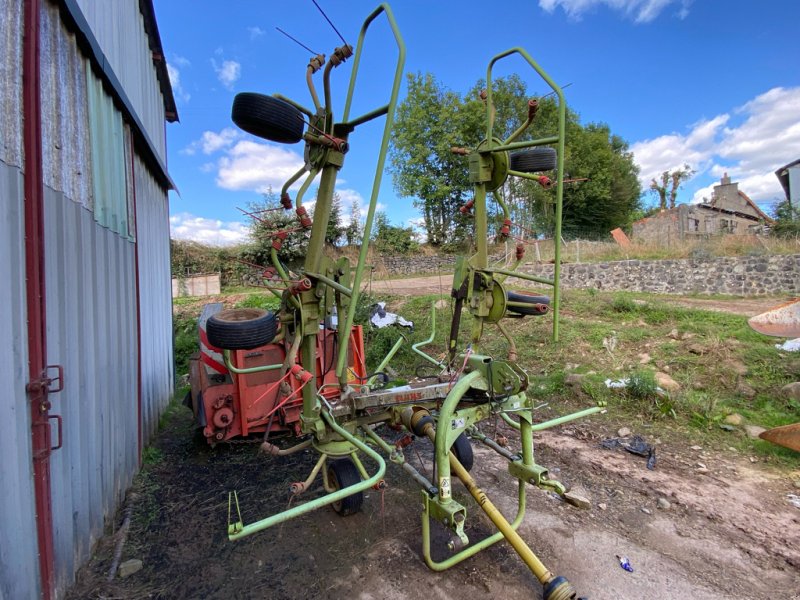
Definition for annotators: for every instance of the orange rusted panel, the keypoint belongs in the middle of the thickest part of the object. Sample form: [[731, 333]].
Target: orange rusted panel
[[787, 436], [781, 321], [622, 239]]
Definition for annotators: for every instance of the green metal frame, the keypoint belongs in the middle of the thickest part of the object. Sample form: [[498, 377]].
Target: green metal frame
[[332, 287], [485, 176]]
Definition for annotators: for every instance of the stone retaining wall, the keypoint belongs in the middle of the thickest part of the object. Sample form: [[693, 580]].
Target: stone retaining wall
[[739, 275]]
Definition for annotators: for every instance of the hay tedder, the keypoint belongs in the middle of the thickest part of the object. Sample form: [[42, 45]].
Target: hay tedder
[[299, 372]]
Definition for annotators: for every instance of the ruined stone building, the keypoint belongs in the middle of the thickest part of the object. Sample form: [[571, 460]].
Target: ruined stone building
[[729, 211]]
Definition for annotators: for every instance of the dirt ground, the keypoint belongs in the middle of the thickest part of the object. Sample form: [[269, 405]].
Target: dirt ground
[[440, 284], [729, 532]]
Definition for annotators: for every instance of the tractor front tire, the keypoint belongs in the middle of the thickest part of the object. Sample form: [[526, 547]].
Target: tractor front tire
[[241, 328], [533, 160], [268, 118]]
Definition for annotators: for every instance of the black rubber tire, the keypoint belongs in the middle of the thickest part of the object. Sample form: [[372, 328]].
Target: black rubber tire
[[343, 473], [241, 328], [533, 160], [268, 118], [538, 304], [463, 451]]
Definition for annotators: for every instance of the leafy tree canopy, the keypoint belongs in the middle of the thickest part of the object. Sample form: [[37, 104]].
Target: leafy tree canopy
[[432, 119]]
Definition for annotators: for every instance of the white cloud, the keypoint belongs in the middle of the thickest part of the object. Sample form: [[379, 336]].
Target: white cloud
[[211, 141], [181, 61], [749, 143], [668, 152], [228, 72], [257, 167], [175, 81], [641, 11], [185, 226], [255, 32]]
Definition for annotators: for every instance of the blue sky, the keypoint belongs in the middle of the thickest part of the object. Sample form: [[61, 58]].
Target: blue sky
[[712, 83]]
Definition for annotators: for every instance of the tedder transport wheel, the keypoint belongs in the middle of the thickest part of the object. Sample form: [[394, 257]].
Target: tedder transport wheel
[[532, 160], [268, 117], [538, 305], [343, 473], [241, 328], [463, 451]]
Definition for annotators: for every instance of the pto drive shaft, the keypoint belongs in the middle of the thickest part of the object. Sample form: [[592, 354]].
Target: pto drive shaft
[[555, 588]]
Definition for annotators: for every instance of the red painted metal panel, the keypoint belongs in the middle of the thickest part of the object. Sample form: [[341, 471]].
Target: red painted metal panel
[[35, 295]]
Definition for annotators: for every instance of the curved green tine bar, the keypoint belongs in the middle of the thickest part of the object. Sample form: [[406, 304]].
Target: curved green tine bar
[[387, 129], [238, 530], [475, 548], [557, 421], [389, 356], [304, 188], [276, 262], [299, 107], [559, 140], [443, 427], [292, 179], [416, 347], [226, 355]]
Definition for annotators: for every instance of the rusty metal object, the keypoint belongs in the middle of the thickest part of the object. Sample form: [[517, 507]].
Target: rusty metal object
[[223, 417], [780, 321], [787, 436]]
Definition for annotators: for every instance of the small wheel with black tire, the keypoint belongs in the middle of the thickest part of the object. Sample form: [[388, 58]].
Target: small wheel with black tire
[[342, 474], [241, 328], [533, 160], [534, 304], [463, 451], [268, 117]]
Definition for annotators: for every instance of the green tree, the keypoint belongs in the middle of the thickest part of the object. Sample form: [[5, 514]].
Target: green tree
[[432, 119], [353, 231], [335, 231], [429, 122], [668, 183], [267, 221], [390, 238], [787, 220]]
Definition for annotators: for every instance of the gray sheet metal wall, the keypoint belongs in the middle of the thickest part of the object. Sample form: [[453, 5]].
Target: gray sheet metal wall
[[155, 296], [11, 77], [19, 571], [19, 566], [119, 29], [90, 269], [65, 114], [91, 331]]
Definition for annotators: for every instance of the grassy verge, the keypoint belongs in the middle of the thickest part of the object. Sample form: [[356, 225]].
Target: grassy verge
[[719, 364]]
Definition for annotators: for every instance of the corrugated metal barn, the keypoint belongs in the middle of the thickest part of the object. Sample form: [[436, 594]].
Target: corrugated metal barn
[[84, 262]]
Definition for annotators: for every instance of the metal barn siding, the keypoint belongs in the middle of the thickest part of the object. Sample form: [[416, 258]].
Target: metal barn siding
[[65, 119], [11, 77], [91, 331], [155, 296], [119, 29], [19, 571], [108, 150]]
